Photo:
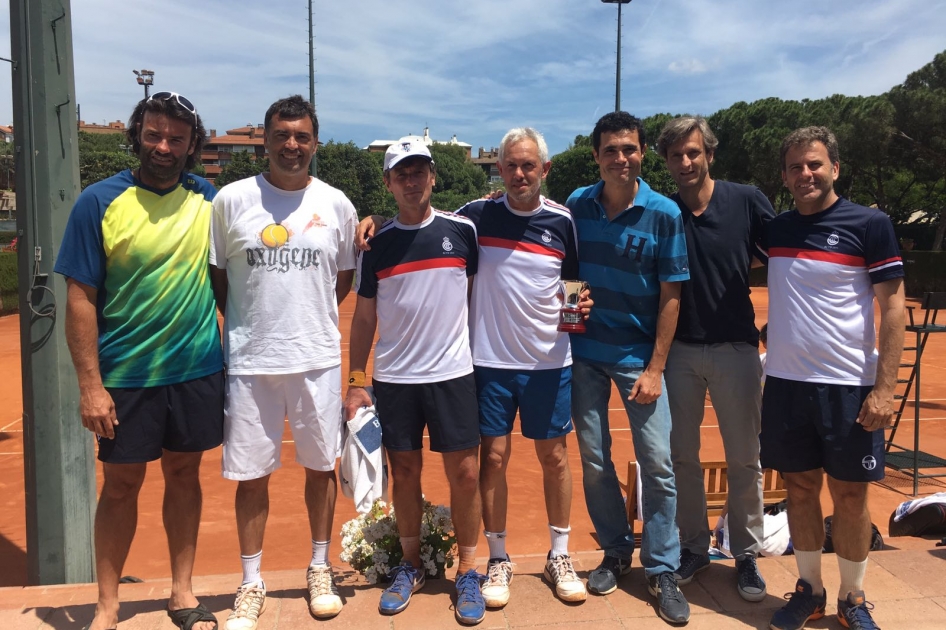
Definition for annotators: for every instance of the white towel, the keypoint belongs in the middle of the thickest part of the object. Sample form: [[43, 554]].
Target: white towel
[[363, 473]]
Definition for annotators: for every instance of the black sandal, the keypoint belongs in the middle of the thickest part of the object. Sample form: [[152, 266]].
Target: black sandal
[[185, 618]]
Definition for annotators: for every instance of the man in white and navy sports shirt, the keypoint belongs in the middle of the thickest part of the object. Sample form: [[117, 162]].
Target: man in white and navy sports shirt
[[527, 244], [413, 287], [828, 391]]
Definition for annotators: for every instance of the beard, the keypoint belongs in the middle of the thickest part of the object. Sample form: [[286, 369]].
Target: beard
[[161, 172], [525, 195]]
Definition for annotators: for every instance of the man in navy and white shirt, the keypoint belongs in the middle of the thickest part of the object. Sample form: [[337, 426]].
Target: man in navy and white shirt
[[522, 363], [829, 388], [412, 287]]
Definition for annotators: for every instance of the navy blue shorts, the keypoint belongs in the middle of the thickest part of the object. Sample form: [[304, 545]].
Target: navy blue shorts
[[446, 408], [806, 426], [184, 417], [542, 397]]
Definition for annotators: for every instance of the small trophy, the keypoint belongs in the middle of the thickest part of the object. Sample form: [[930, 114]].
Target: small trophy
[[572, 320]]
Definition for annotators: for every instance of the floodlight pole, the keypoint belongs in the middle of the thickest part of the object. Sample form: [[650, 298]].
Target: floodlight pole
[[313, 166], [617, 80]]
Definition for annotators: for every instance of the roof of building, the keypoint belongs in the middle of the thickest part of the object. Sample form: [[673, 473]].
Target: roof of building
[[426, 139], [234, 139]]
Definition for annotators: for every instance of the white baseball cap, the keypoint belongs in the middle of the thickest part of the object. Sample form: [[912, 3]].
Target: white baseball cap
[[408, 146]]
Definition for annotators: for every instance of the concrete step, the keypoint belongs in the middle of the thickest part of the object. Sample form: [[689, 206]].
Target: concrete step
[[907, 587]]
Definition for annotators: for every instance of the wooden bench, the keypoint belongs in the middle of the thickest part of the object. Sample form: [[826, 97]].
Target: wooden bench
[[716, 486]]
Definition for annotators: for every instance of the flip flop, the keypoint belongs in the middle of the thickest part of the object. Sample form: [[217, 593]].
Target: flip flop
[[185, 618]]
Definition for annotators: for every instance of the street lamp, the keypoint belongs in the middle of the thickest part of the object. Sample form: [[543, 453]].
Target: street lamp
[[145, 78], [617, 82]]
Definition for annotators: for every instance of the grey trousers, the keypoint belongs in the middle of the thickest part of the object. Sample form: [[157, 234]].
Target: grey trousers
[[733, 374]]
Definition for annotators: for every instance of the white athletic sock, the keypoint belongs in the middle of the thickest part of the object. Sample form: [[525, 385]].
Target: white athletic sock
[[852, 576], [251, 567], [497, 544], [809, 569], [319, 552], [559, 536]]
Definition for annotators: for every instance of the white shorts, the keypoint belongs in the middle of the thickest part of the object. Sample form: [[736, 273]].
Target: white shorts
[[256, 408]]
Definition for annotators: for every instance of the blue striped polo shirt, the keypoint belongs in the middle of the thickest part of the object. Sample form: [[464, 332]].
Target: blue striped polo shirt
[[624, 260]]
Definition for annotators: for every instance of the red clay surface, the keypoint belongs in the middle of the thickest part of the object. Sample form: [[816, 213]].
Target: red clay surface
[[287, 541]]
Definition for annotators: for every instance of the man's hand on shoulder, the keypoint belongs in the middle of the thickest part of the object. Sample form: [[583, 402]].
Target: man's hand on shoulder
[[877, 411], [98, 411], [365, 229], [355, 399]]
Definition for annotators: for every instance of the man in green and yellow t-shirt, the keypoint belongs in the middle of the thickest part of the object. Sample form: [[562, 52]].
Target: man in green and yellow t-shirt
[[142, 329]]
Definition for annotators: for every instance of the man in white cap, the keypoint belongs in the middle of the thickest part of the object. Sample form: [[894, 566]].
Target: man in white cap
[[412, 287]]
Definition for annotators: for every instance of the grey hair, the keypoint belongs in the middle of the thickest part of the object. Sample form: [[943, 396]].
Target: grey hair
[[682, 126], [524, 133]]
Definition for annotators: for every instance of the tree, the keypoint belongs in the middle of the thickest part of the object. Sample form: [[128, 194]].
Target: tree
[[240, 167], [459, 180], [354, 172], [95, 166], [571, 169], [456, 172], [920, 121]]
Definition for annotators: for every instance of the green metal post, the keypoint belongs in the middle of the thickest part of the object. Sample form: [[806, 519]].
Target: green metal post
[[58, 453]]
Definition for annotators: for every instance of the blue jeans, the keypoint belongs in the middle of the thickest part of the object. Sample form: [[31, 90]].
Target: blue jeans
[[650, 430]]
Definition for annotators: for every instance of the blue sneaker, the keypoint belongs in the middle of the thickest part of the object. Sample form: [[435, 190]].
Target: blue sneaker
[[405, 581], [471, 607], [854, 612], [803, 605]]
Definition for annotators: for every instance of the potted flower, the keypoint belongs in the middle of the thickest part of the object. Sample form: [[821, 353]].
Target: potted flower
[[371, 543]]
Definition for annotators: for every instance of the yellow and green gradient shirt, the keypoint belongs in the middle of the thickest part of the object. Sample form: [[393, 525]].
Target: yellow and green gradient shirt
[[146, 253]]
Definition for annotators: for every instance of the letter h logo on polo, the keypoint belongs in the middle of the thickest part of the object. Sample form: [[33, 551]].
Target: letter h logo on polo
[[634, 244]]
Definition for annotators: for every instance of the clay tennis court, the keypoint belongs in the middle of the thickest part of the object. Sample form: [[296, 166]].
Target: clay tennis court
[[287, 543]]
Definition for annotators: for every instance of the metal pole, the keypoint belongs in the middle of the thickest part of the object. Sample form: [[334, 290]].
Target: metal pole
[[146, 91], [313, 166], [57, 451], [617, 82]]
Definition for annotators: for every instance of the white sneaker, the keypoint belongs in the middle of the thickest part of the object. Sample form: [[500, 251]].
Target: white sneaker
[[324, 601], [496, 588], [561, 574], [249, 605]]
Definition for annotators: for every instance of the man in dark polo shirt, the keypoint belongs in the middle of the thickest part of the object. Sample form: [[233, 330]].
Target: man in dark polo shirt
[[716, 348]]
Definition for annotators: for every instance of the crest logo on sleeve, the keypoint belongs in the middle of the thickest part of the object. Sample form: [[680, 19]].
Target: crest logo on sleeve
[[834, 239], [869, 463], [447, 245], [546, 237]]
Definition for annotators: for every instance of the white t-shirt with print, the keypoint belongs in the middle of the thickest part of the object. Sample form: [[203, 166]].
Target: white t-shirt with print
[[282, 251]]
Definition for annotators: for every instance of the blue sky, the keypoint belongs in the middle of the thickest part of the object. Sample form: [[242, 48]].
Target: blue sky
[[385, 68]]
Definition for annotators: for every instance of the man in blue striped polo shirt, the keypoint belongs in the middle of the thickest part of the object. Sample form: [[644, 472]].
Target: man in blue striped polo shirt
[[632, 251]]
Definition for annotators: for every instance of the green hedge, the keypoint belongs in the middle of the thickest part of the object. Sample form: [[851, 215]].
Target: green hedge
[[6, 237], [9, 297], [924, 271]]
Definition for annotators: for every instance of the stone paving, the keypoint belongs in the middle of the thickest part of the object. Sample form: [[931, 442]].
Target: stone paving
[[907, 586]]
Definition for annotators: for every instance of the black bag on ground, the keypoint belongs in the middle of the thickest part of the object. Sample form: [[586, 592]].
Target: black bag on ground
[[876, 540]]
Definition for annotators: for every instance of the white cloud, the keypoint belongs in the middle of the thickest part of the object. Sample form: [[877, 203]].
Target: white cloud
[[687, 66], [386, 68]]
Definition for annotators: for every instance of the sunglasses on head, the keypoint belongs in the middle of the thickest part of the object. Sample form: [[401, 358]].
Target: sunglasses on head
[[180, 100]]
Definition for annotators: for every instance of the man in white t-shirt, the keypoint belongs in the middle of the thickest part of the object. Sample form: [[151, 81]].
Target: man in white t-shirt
[[282, 259]]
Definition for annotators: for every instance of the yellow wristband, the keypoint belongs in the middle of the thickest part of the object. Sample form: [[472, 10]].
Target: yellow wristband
[[356, 378]]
